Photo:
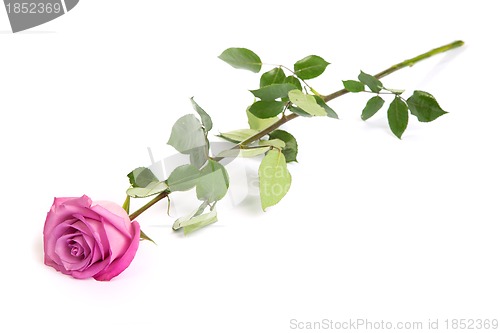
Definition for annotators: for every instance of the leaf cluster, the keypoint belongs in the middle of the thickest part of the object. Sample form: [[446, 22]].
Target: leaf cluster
[[420, 104]]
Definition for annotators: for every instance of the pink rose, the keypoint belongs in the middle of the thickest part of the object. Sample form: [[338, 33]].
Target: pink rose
[[85, 239]]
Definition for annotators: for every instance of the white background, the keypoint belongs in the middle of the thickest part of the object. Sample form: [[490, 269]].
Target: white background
[[373, 227]]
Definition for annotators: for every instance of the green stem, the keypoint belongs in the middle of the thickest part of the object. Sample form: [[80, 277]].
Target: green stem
[[286, 118], [403, 64], [141, 210], [327, 98]]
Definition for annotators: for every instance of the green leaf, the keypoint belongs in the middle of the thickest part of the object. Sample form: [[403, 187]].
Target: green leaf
[[242, 58], [274, 76], [144, 183], [247, 152], [198, 156], [310, 67], [291, 148], [141, 177], [187, 134], [213, 183], [372, 106], [293, 80], [258, 123], [205, 118], [299, 111], [183, 178], [371, 81], [181, 221], [277, 143], [329, 111], [353, 86], [306, 102], [147, 191], [199, 222], [395, 91], [424, 106], [266, 109], [238, 136], [270, 93], [196, 220], [274, 179], [253, 151], [397, 114]]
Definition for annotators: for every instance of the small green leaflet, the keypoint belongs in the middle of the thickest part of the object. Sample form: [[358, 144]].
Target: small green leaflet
[[141, 177], [372, 106], [213, 182], [274, 76], [187, 134], [184, 219], [293, 80], [353, 86], [424, 106], [267, 109], [371, 81], [306, 102], [196, 219], [274, 178], [242, 58], [273, 91], [299, 111], [144, 183], [183, 178], [199, 222], [277, 143], [259, 124], [397, 114], [247, 152], [395, 91], [205, 118], [198, 156], [291, 148], [238, 136], [147, 191], [310, 67], [329, 111]]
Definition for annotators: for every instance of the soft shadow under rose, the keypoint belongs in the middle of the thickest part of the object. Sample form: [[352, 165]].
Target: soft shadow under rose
[[85, 239]]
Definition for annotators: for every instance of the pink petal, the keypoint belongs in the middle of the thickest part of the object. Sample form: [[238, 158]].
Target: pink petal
[[119, 265], [64, 208], [114, 214]]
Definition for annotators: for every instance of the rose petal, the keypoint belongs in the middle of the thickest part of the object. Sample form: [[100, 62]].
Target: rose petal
[[119, 265], [69, 261], [114, 214], [65, 208], [50, 240], [91, 270], [96, 230]]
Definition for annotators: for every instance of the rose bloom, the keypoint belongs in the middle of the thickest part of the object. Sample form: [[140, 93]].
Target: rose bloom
[[85, 239]]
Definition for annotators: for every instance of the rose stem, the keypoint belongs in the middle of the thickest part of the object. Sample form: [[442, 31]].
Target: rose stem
[[141, 210], [327, 98]]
